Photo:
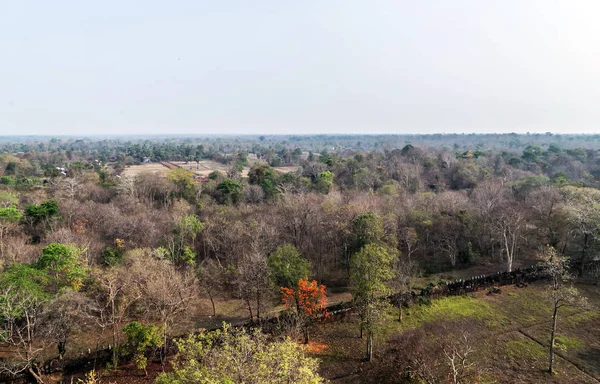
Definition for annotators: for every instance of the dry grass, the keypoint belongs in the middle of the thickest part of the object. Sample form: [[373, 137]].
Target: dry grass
[[135, 170], [206, 167]]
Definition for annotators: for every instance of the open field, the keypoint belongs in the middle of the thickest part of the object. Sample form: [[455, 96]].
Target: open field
[[509, 333], [205, 167], [135, 170]]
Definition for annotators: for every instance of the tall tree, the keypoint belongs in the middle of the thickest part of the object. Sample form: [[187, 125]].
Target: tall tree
[[510, 224], [371, 272], [562, 292], [210, 277], [253, 283]]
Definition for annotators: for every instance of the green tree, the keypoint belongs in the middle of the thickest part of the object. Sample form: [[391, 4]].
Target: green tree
[[371, 274], [228, 192], [287, 267], [8, 199], [41, 213], [64, 264], [367, 228], [263, 175], [140, 338], [187, 230], [39, 217], [237, 356], [324, 181], [184, 183]]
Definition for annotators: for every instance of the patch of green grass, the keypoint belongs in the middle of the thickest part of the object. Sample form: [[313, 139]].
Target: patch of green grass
[[582, 317], [518, 350], [452, 308], [565, 343], [525, 307]]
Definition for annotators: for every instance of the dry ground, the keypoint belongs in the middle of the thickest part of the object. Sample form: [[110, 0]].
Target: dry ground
[[205, 167], [135, 170]]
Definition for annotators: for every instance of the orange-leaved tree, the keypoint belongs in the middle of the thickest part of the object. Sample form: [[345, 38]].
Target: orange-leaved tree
[[309, 300]]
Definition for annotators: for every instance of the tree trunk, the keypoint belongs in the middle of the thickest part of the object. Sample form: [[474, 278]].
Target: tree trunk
[[163, 355], [305, 335], [36, 375], [583, 255], [212, 302], [400, 313], [250, 310], [115, 334], [552, 337], [258, 304], [369, 345], [1, 241], [62, 349], [115, 359]]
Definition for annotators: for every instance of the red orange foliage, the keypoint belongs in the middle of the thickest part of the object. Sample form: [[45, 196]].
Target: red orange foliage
[[79, 225], [308, 298]]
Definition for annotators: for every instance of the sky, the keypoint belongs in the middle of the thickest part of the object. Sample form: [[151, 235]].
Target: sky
[[303, 67]]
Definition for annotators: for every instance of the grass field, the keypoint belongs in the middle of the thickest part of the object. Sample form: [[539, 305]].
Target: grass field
[[205, 167], [135, 170]]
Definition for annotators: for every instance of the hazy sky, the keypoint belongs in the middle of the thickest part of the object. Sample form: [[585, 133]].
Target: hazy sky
[[322, 66]]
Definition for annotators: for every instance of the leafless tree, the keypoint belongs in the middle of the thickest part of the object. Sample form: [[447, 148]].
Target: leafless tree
[[166, 292], [410, 238], [509, 225], [21, 312], [253, 283], [561, 292], [210, 278], [115, 292]]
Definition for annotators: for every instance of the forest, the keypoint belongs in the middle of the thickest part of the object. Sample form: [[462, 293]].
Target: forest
[[168, 277]]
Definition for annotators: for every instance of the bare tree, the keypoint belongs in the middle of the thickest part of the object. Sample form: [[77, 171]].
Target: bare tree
[[583, 214], [21, 311], [458, 354], [166, 292], [509, 224], [402, 282], [210, 278], [438, 352], [448, 244], [410, 238], [253, 283], [66, 314], [561, 291], [115, 292]]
